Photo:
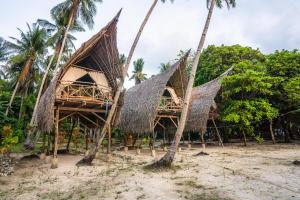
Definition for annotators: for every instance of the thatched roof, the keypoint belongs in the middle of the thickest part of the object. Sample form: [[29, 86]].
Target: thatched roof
[[100, 54], [202, 101], [141, 101]]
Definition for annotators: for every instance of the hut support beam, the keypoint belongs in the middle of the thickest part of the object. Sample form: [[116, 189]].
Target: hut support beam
[[68, 116], [108, 139], [173, 122], [88, 119], [86, 138], [202, 139], [218, 133], [54, 162], [103, 120]]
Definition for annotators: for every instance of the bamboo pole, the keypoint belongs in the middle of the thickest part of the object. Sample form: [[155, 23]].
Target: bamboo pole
[[54, 163], [218, 133]]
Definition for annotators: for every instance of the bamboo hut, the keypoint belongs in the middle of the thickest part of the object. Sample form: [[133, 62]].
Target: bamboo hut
[[203, 106], [155, 103], [85, 86]]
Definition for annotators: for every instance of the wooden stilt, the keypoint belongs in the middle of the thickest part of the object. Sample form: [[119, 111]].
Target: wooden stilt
[[218, 133], [70, 134], [164, 137], [202, 139], [86, 139], [108, 139], [49, 143], [54, 162], [152, 145]]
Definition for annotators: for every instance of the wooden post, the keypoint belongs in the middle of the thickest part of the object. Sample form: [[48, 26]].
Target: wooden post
[[86, 139], [108, 139], [97, 133], [49, 143], [164, 137], [153, 141], [218, 133], [202, 139], [54, 162]]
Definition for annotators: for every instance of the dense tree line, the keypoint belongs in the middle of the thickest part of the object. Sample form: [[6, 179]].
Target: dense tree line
[[262, 91]]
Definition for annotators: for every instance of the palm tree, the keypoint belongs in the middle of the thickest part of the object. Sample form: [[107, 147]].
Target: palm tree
[[168, 158], [89, 158], [85, 10], [164, 66], [31, 45], [58, 29], [138, 74], [66, 15]]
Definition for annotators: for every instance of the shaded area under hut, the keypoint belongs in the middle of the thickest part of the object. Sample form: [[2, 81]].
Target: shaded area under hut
[[83, 89], [155, 105]]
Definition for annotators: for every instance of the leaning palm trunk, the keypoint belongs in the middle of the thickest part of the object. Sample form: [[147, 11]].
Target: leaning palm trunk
[[89, 158], [71, 21], [167, 160], [21, 80], [12, 98]]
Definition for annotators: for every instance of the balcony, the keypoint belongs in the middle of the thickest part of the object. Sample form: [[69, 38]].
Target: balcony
[[168, 104], [83, 92]]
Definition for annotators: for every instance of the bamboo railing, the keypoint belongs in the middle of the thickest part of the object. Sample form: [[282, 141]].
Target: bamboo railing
[[83, 91], [169, 104]]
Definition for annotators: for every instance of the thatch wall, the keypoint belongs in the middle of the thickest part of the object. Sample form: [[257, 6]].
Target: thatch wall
[[202, 101], [141, 101], [100, 54]]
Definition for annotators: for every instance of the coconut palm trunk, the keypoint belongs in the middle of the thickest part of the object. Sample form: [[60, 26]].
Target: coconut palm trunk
[[89, 158], [167, 160], [72, 18], [21, 79]]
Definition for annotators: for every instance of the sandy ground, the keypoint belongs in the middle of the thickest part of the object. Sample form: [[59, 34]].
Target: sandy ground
[[235, 172]]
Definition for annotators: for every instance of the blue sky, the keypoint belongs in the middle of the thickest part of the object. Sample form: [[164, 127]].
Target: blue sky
[[264, 24]]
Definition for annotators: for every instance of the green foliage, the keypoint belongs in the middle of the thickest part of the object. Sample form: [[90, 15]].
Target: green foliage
[[7, 140], [86, 10], [245, 95], [292, 88], [259, 139], [286, 65], [216, 60]]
